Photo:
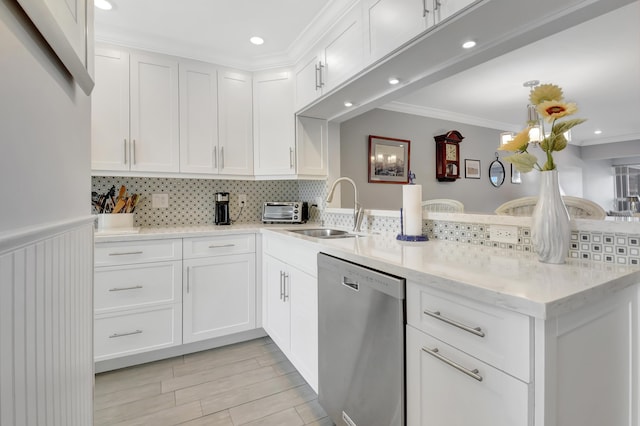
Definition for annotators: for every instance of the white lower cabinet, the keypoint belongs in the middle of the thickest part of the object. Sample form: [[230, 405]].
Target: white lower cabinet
[[446, 386], [137, 297], [219, 290], [219, 296], [290, 309]]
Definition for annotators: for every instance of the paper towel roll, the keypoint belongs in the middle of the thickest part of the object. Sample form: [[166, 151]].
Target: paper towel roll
[[412, 209]]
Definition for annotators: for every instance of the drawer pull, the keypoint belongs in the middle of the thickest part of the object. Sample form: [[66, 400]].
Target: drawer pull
[[114, 335], [125, 288], [127, 253], [282, 285], [223, 246], [471, 373], [473, 330]]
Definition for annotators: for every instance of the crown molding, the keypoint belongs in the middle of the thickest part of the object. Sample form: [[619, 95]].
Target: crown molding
[[613, 139], [450, 116]]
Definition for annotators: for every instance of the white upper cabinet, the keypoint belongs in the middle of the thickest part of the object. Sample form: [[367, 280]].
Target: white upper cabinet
[[154, 114], [110, 111], [235, 123], [338, 56], [391, 23], [312, 143], [273, 124], [343, 50], [198, 118]]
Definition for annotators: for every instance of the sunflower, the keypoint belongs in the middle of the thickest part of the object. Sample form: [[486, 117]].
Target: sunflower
[[552, 110], [545, 92], [518, 143]]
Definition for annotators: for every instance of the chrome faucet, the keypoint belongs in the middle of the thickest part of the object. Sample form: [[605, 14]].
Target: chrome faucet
[[358, 211]]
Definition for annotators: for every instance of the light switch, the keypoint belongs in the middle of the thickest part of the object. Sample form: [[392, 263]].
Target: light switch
[[159, 201]]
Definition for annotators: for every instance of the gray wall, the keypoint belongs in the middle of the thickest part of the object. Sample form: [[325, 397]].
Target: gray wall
[[480, 143], [45, 131]]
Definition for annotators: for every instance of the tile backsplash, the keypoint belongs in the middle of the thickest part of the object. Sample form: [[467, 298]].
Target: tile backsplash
[[191, 200]]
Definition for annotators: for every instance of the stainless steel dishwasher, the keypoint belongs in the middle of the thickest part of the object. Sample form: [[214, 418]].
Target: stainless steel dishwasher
[[361, 362]]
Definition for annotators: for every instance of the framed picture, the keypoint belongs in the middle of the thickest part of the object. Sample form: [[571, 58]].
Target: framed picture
[[388, 160], [515, 175], [471, 169]]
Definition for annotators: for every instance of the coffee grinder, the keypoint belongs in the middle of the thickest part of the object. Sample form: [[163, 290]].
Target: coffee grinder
[[221, 208]]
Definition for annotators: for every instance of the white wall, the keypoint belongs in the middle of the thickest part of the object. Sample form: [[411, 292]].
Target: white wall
[[44, 130], [479, 143]]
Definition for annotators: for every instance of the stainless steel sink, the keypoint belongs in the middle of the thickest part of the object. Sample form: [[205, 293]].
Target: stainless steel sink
[[323, 233]]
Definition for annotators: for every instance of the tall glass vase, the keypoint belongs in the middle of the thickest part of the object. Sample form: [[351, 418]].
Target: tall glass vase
[[550, 227]]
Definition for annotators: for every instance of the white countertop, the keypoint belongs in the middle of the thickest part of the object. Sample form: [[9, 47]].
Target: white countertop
[[506, 278]]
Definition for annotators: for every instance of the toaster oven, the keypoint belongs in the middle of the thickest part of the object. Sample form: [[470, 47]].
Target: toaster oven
[[285, 212]]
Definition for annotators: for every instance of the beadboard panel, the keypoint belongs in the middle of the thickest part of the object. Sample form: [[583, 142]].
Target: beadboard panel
[[46, 328]]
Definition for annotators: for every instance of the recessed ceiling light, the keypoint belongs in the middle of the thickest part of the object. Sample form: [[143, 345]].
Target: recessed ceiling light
[[393, 80], [469, 44], [256, 40], [103, 4], [348, 104], [598, 132]]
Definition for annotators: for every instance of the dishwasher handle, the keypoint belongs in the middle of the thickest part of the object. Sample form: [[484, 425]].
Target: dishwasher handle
[[353, 285]]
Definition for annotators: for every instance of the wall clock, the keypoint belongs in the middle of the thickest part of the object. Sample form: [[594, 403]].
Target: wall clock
[[448, 156]]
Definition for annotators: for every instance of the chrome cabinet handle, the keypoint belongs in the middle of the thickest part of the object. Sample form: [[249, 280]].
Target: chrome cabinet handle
[[286, 294], [321, 65], [125, 150], [125, 253], [291, 158], [317, 68], [133, 153], [222, 157], [215, 157], [125, 288], [281, 285], [436, 5], [114, 335], [222, 246], [188, 285], [425, 11], [473, 330], [471, 373]]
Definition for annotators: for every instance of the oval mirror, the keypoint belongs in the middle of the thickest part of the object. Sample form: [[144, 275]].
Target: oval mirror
[[496, 173]]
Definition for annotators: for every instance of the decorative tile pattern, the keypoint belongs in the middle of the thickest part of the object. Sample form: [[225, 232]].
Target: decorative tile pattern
[[587, 245], [191, 200]]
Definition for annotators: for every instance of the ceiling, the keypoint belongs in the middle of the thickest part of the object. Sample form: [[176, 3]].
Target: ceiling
[[597, 63], [218, 30]]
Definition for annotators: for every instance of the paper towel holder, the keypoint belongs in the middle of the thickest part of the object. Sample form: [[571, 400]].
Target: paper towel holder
[[414, 238]]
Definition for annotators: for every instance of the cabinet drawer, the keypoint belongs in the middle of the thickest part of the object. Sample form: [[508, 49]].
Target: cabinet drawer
[[445, 386], [133, 332], [136, 286], [219, 245], [124, 253], [293, 252], [496, 336]]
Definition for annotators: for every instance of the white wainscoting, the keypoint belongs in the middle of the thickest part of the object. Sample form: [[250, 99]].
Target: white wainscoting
[[46, 325]]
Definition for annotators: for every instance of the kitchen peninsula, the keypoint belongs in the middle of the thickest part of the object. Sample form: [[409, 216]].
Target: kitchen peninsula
[[555, 335]]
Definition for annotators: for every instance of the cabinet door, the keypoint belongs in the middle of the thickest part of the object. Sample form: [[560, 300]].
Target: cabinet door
[[154, 114], [312, 146], [302, 288], [440, 394], [307, 84], [110, 111], [273, 124], [198, 118], [235, 123], [219, 296], [343, 50], [276, 317], [391, 23]]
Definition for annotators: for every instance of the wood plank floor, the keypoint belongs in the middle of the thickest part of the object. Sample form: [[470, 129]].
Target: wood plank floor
[[250, 383]]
